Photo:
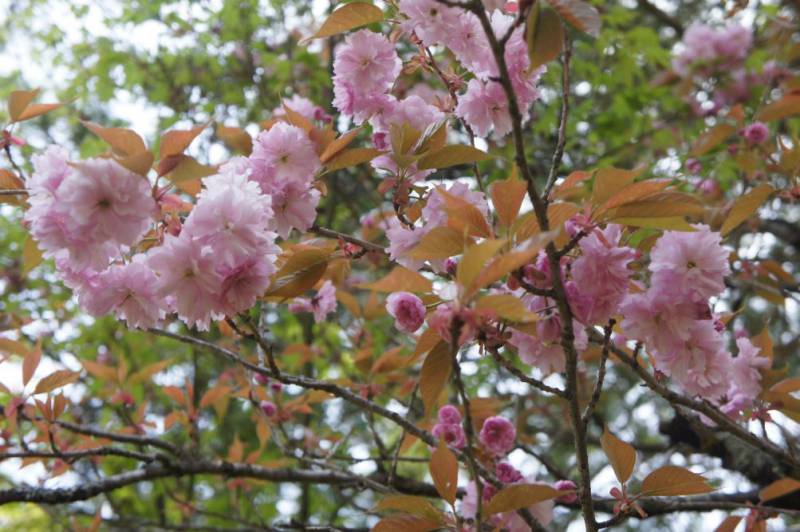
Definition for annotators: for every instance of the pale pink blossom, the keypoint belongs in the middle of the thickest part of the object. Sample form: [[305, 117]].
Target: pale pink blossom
[[295, 206], [302, 106], [366, 61], [485, 108], [49, 170], [187, 278], [283, 153], [745, 374], [320, 305], [116, 203], [407, 310], [431, 21], [128, 290], [601, 274], [401, 241], [692, 263], [702, 366], [497, 435]]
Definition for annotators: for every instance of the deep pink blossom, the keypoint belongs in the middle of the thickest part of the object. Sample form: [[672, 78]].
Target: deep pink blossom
[[566, 485], [407, 310], [452, 434], [498, 435], [755, 133], [449, 414]]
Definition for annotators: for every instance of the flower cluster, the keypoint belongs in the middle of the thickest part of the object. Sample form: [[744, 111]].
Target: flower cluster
[[596, 283], [449, 427], [673, 319], [497, 437], [707, 49], [91, 217]]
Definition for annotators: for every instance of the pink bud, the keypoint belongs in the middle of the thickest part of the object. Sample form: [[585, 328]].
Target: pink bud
[[277, 387], [261, 379], [566, 485], [268, 408], [755, 133], [407, 310], [449, 414]]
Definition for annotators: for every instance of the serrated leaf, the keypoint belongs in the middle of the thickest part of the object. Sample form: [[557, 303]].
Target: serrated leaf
[[444, 472], [335, 147], [18, 101], [149, 370], [349, 16], [37, 109], [632, 193], [400, 279], [610, 181], [507, 197], [351, 157], [787, 106], [30, 363], [31, 255], [176, 141], [236, 139], [438, 243], [674, 480], [213, 395], [13, 347], [451, 156], [123, 142], [729, 524], [711, 139], [506, 306], [300, 272], [406, 523], [544, 34], [139, 163], [188, 173], [745, 206], [409, 504], [434, 374], [475, 259], [669, 223], [779, 488], [621, 455], [56, 380], [518, 496], [580, 14]]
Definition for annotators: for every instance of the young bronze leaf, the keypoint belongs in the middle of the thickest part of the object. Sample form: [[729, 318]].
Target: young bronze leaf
[[30, 363], [580, 14], [545, 35], [518, 496], [123, 142], [56, 380], [348, 17], [335, 147], [444, 471], [18, 101], [610, 181], [174, 142], [711, 139], [474, 260], [674, 480], [236, 139], [400, 279], [621, 455], [787, 106], [409, 504], [301, 272], [779, 488], [31, 255], [507, 196], [506, 306], [745, 206], [351, 157], [729, 524], [451, 156], [435, 374], [438, 243]]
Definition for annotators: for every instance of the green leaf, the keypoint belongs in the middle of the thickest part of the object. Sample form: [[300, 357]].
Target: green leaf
[[545, 35]]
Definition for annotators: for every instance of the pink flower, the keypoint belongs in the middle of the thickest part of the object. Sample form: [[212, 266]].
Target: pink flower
[[452, 434], [498, 435], [129, 290], [49, 170], [702, 366], [450, 415], [507, 473], [269, 408], [690, 262], [295, 206], [244, 282], [283, 153], [188, 278], [693, 166], [485, 107], [755, 133], [435, 210], [302, 106], [431, 21], [116, 203], [366, 61], [566, 485], [407, 310], [745, 375], [320, 305], [601, 274], [401, 241]]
